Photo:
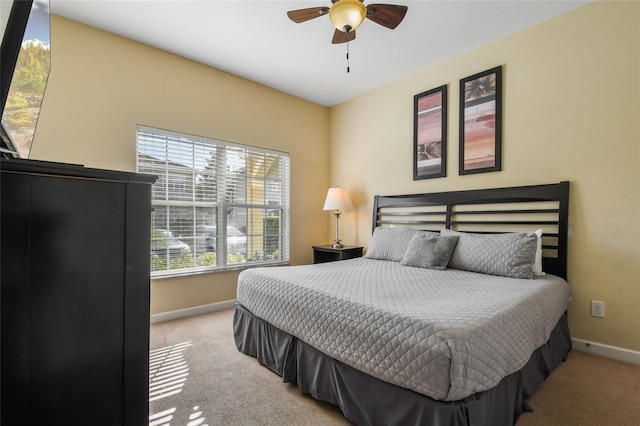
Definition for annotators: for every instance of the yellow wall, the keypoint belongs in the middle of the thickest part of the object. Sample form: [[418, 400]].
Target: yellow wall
[[571, 112], [102, 85]]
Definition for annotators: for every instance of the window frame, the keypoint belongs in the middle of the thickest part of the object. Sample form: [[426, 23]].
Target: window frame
[[246, 183]]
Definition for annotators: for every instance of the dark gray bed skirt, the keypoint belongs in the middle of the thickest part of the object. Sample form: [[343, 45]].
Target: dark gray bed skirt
[[366, 400]]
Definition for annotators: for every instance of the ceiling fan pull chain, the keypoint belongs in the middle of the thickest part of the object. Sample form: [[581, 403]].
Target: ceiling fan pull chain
[[348, 68]]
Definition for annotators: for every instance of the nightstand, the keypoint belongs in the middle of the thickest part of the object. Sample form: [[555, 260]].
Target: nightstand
[[327, 253]]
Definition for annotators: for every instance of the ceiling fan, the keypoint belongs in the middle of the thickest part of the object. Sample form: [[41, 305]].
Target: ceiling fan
[[347, 15]]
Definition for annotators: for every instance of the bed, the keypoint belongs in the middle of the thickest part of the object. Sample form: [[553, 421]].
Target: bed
[[454, 316]]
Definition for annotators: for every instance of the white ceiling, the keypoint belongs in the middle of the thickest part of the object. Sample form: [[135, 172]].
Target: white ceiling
[[256, 39]]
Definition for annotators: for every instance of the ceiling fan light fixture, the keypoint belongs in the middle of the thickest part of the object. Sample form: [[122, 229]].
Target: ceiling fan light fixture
[[347, 15]]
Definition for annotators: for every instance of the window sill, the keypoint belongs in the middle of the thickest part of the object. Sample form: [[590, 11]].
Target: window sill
[[239, 267]]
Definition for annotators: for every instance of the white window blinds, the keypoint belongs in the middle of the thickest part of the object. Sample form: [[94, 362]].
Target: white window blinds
[[216, 204]]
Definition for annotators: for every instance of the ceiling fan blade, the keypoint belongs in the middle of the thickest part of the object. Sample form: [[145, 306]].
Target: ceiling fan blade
[[342, 37], [387, 15], [303, 15]]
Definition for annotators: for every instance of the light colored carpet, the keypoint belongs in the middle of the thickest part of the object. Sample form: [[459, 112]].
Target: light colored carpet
[[587, 390], [222, 385], [198, 377]]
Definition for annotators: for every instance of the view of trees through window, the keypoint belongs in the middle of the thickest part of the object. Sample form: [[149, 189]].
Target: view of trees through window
[[29, 80], [216, 205]]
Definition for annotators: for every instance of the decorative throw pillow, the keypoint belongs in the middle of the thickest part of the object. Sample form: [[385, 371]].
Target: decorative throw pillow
[[391, 243], [430, 251], [508, 255]]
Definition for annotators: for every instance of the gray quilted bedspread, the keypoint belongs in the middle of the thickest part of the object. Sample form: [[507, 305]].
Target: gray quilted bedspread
[[445, 334]]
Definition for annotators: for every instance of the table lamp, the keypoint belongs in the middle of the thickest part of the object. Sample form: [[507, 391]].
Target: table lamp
[[337, 199]]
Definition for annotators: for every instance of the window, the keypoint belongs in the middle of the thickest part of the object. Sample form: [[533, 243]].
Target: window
[[216, 205]]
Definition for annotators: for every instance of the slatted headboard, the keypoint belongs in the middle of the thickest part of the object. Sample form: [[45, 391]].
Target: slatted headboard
[[496, 210]]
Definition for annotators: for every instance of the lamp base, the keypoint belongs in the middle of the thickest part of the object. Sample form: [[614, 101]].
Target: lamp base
[[337, 244]]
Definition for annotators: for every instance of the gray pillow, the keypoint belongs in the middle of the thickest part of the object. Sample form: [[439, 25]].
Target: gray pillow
[[391, 243], [430, 251], [508, 255]]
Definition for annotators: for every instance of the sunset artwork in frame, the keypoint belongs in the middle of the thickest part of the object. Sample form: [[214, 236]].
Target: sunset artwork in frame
[[481, 122], [430, 134]]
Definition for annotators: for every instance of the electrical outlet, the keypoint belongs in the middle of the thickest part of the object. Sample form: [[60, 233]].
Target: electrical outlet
[[597, 309]]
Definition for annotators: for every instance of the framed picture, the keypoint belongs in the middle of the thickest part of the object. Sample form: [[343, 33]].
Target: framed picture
[[481, 122], [430, 134]]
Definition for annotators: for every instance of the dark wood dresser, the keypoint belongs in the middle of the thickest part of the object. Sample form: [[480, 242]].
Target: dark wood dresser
[[74, 294]]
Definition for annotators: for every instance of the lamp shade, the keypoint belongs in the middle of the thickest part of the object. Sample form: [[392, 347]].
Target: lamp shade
[[347, 15], [337, 199]]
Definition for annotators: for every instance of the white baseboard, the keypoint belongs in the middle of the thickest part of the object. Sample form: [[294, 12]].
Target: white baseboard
[[192, 312], [614, 352]]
